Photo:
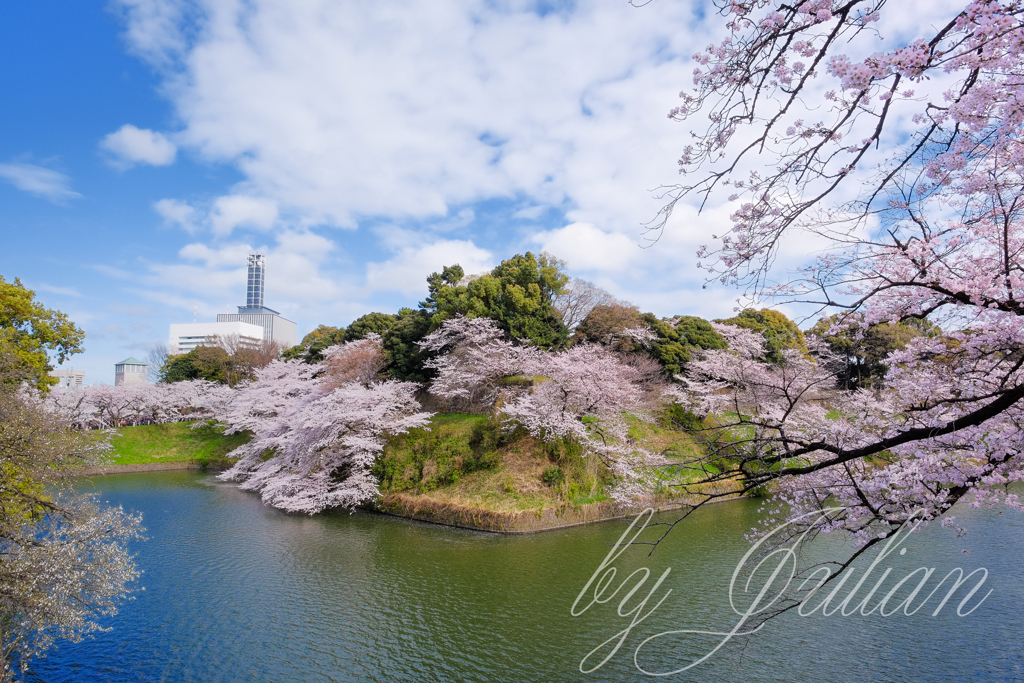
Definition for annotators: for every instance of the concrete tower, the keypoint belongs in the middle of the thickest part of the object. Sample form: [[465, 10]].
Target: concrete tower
[[254, 290], [130, 371], [275, 328]]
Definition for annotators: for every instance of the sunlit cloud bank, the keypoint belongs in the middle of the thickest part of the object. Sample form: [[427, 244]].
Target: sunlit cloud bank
[[338, 115], [346, 117]]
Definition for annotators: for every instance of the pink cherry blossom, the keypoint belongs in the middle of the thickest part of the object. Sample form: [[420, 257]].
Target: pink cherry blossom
[[317, 429], [927, 225]]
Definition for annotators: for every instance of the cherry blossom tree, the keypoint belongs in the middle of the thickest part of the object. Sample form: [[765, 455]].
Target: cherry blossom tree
[[318, 428], [65, 564], [808, 109], [583, 395], [474, 362], [958, 85]]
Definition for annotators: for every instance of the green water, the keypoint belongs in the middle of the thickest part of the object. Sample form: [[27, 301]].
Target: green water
[[235, 591]]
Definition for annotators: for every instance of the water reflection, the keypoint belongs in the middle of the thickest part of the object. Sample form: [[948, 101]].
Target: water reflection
[[238, 592]]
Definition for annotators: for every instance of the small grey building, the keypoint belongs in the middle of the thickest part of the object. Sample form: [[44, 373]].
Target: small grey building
[[130, 371], [69, 379]]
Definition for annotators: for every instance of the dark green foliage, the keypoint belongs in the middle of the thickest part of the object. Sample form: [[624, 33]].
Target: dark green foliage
[[865, 351], [399, 334], [676, 416], [446, 297], [216, 364], [375, 323], [678, 337], [517, 295], [405, 359], [313, 344], [424, 459], [698, 332], [779, 331], [553, 476], [204, 362]]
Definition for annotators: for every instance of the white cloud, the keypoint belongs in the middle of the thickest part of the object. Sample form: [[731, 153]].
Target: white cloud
[[38, 180], [529, 213], [65, 291], [584, 247], [176, 212], [422, 116], [153, 29], [337, 111], [224, 256], [238, 210], [408, 270], [131, 145], [214, 276], [226, 214]]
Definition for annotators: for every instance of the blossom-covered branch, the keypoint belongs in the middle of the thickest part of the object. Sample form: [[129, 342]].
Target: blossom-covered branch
[[910, 450]]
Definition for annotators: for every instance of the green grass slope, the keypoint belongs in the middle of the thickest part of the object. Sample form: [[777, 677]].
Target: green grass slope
[[467, 461], [174, 442]]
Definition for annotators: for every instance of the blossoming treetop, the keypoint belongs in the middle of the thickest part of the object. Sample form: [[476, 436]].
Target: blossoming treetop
[[922, 223]]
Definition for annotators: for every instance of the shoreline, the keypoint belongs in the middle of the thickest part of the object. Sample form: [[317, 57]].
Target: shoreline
[[430, 511], [133, 468], [425, 509], [623, 512]]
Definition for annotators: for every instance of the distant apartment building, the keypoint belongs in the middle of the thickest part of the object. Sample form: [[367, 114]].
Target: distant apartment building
[[186, 336], [69, 379], [275, 328], [130, 371]]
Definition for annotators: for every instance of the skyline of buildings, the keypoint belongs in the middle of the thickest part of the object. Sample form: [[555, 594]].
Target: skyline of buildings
[[252, 325]]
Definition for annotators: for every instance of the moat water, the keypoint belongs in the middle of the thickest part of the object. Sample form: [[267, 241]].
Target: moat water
[[235, 591]]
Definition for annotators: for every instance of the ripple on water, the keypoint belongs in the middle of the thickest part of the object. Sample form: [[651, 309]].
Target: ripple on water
[[235, 591]]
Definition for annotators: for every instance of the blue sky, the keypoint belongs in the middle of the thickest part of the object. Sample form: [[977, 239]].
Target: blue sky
[[148, 144]]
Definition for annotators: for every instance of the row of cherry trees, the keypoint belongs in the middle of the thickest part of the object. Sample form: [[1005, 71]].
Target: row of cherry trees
[[102, 406], [317, 428]]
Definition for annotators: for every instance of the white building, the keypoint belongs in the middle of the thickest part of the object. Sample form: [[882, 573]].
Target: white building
[[186, 336], [69, 379], [272, 326], [130, 371], [251, 326], [275, 328]]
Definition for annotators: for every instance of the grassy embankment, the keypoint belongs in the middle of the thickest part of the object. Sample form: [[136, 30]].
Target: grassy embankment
[[175, 442], [463, 470]]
